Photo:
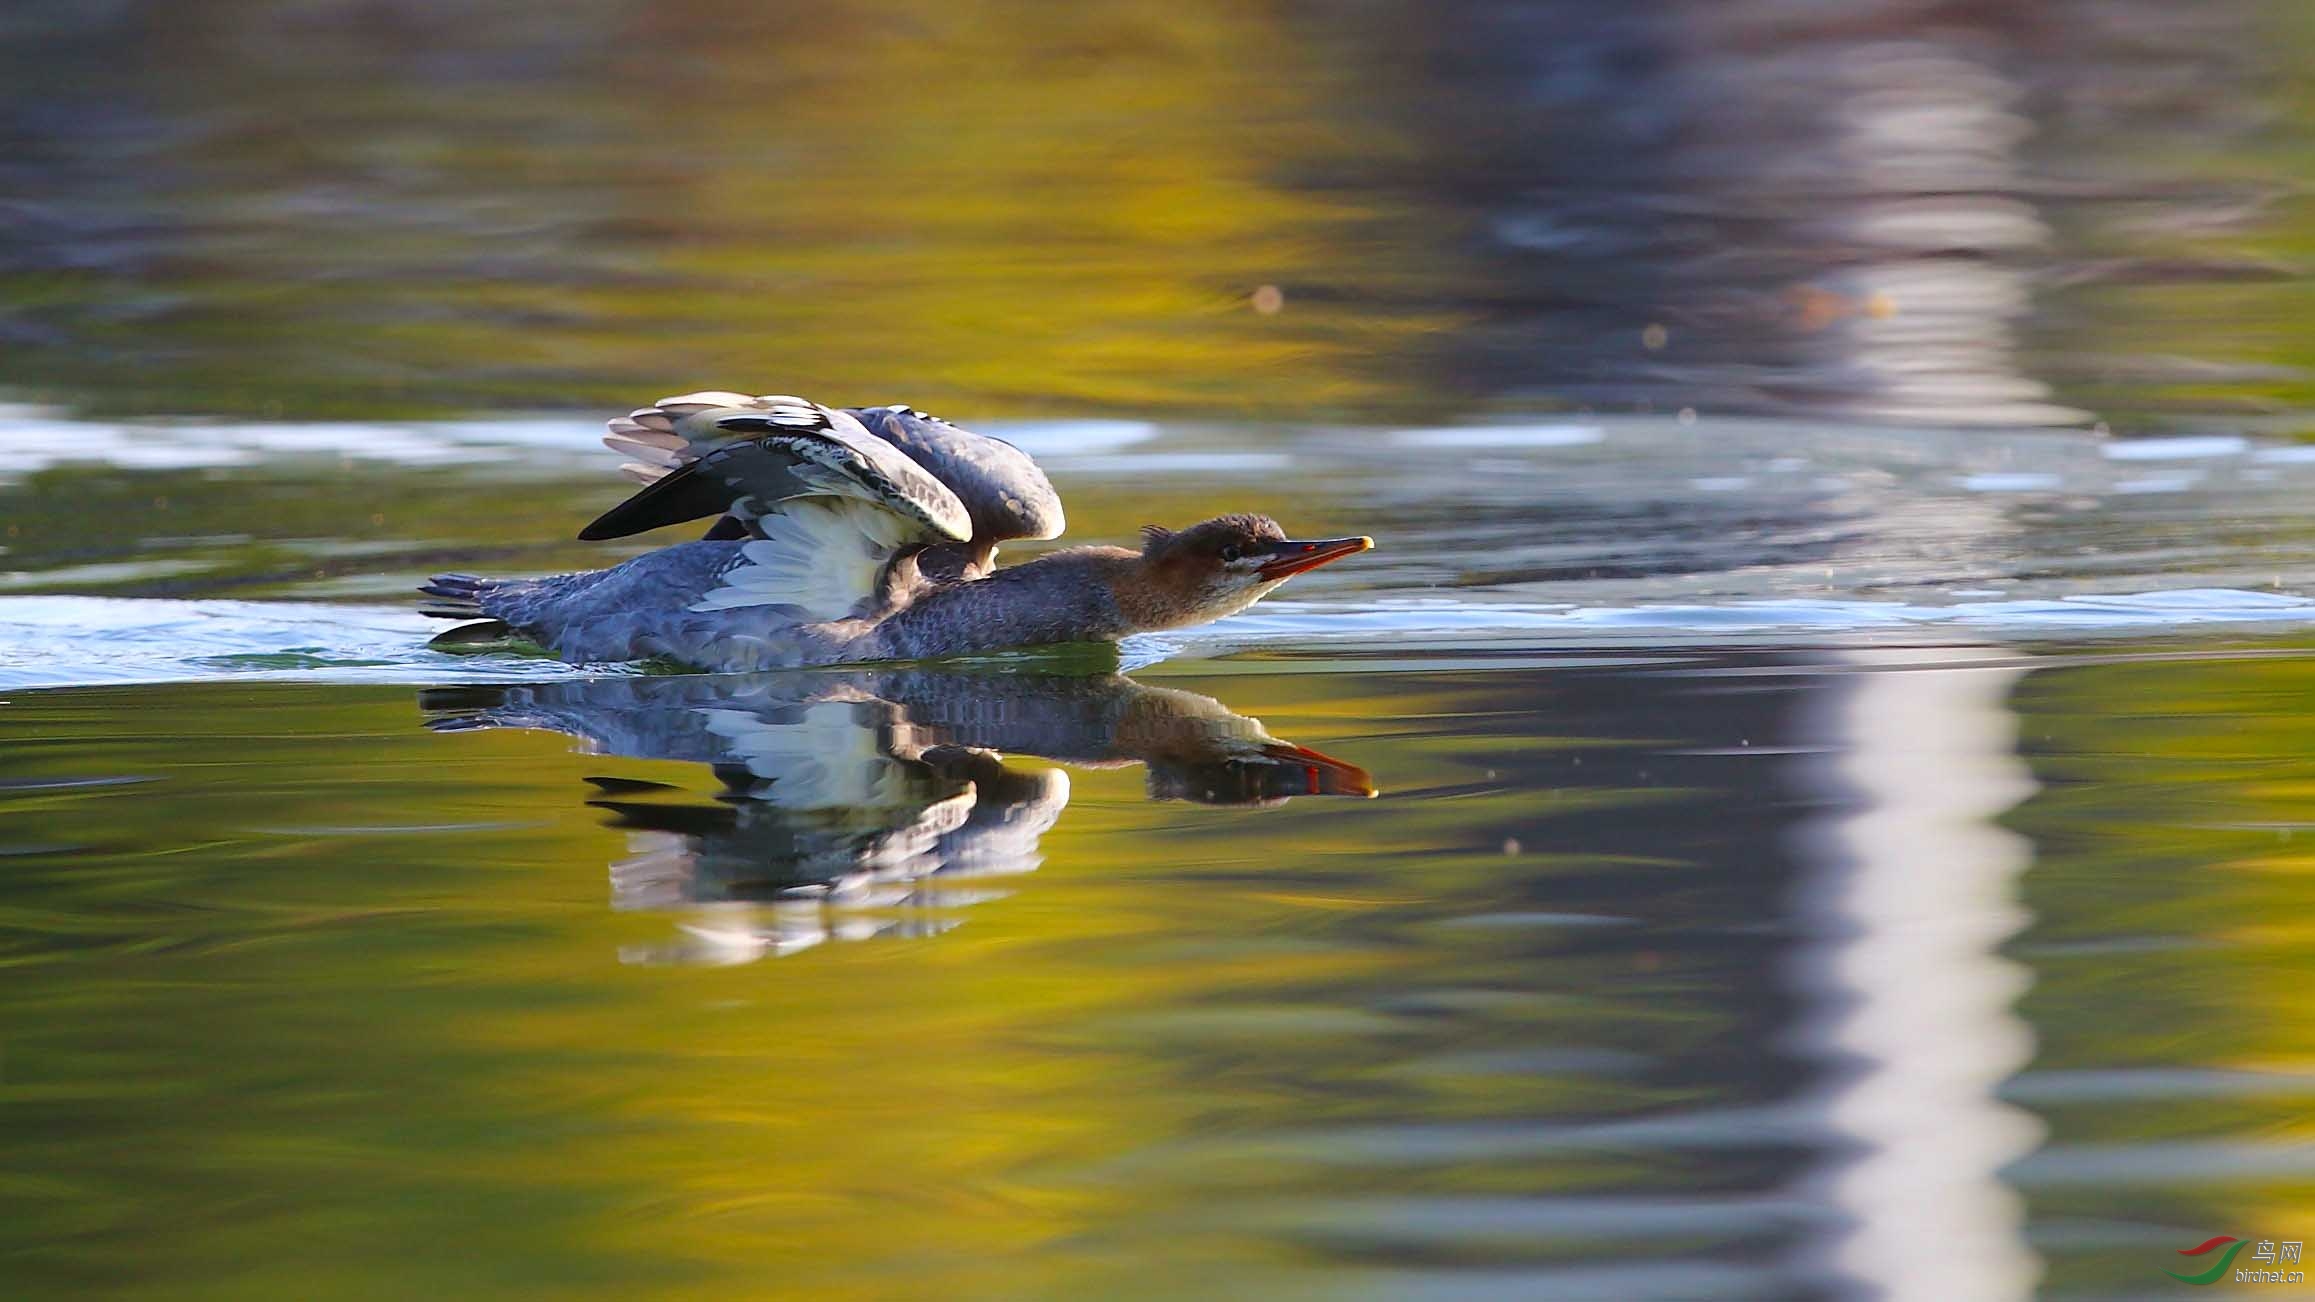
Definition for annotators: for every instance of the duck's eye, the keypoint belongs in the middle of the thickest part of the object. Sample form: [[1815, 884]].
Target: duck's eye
[[1231, 552]]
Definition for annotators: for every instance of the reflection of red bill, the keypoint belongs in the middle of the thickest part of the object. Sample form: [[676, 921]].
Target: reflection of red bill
[[1323, 774]]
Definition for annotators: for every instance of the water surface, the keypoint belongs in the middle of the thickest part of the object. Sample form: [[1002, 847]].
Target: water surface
[[1807, 861], [1663, 974]]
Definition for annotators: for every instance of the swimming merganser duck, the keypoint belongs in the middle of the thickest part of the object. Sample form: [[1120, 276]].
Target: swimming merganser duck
[[859, 534]]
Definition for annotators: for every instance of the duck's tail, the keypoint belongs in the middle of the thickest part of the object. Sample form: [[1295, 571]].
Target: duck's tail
[[459, 596], [453, 596]]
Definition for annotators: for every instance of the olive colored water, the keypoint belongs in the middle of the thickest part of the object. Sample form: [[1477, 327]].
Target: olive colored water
[[1787, 810]]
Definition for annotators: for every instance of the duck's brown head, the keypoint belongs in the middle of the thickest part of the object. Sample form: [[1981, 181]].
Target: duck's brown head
[[1220, 567]]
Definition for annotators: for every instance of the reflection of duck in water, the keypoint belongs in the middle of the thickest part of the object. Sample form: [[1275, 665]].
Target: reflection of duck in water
[[853, 792], [858, 535]]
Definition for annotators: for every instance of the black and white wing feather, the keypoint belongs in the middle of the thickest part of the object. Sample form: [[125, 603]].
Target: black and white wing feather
[[718, 453], [825, 504]]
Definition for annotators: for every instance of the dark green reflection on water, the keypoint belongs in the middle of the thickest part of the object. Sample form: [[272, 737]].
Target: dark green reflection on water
[[305, 998]]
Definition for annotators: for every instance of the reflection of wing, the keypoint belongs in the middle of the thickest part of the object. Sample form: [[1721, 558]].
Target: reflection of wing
[[743, 850], [828, 505]]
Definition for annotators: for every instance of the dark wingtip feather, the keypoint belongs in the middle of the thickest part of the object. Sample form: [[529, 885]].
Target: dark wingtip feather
[[680, 496]]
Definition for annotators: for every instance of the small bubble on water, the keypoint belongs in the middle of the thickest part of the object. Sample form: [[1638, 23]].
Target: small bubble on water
[[1511, 845], [1269, 299], [1654, 337], [1687, 415]]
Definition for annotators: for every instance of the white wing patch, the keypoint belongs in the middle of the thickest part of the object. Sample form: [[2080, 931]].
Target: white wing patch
[[828, 759], [821, 555]]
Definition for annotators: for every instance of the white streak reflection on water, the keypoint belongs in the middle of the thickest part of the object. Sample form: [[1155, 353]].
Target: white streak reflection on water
[[1911, 892]]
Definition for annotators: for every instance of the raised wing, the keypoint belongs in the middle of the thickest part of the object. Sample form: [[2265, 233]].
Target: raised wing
[[1004, 491], [827, 504], [715, 453]]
